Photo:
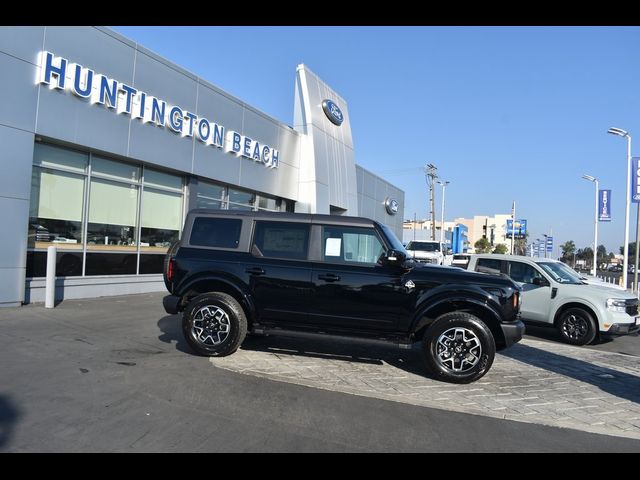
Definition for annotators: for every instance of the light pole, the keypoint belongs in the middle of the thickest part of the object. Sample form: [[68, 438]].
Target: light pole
[[625, 266], [431, 175], [595, 236], [444, 185]]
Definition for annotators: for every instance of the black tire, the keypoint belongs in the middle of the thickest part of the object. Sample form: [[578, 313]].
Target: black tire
[[214, 324], [469, 344], [576, 326]]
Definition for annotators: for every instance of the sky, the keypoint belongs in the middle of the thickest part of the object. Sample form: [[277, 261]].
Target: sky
[[505, 113]]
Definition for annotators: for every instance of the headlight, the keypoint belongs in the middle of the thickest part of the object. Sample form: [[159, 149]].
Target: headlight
[[616, 305]]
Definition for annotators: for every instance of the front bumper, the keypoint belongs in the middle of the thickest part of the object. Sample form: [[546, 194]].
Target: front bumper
[[171, 303], [512, 332], [618, 329]]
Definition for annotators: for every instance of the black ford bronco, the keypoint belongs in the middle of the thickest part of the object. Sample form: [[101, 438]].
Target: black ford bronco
[[235, 272]]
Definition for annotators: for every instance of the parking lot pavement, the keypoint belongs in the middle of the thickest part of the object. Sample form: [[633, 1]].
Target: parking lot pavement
[[115, 374], [533, 381]]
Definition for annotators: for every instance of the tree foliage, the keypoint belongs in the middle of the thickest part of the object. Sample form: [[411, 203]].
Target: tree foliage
[[482, 246]]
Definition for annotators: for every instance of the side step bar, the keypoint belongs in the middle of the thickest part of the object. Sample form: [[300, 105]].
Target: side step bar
[[262, 330]]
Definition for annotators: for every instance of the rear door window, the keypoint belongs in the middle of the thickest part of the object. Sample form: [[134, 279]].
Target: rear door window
[[281, 240]]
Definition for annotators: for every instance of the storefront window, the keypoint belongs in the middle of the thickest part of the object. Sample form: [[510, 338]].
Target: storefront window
[[161, 220], [270, 204], [124, 201], [209, 195], [241, 200], [112, 216], [55, 216], [60, 158], [57, 194], [101, 167]]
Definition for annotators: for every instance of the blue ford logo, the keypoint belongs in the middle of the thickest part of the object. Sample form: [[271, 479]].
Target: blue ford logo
[[333, 112]]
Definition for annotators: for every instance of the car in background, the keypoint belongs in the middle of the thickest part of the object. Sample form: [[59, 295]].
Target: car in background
[[427, 251], [553, 294], [460, 260]]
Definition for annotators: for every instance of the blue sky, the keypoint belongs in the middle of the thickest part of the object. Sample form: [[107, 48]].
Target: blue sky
[[505, 113]]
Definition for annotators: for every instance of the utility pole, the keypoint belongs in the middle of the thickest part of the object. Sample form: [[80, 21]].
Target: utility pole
[[431, 175]]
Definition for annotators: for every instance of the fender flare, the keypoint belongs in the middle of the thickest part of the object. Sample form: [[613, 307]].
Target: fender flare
[[232, 284], [421, 318]]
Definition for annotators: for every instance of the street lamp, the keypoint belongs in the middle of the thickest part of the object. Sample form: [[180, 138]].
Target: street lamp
[[595, 237], [625, 267], [444, 184]]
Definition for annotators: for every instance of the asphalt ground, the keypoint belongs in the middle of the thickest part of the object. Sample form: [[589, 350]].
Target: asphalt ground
[[114, 374]]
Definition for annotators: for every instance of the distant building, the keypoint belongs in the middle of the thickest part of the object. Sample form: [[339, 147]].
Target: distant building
[[470, 230]]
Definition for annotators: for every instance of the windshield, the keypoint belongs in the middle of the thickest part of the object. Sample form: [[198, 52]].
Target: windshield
[[393, 240], [424, 246], [561, 273]]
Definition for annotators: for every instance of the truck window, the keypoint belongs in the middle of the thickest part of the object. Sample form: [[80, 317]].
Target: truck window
[[488, 265]]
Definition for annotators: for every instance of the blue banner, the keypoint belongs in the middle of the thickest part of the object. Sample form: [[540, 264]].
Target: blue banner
[[604, 205], [521, 228], [549, 244], [635, 179]]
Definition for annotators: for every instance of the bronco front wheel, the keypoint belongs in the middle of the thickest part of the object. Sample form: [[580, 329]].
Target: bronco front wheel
[[458, 347]]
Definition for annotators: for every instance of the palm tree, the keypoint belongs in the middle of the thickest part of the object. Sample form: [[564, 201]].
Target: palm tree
[[568, 250]]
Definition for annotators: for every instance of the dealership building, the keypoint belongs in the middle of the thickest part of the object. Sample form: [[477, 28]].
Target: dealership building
[[106, 146]]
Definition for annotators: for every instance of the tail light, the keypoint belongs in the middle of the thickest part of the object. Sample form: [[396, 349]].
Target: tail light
[[170, 270], [516, 300]]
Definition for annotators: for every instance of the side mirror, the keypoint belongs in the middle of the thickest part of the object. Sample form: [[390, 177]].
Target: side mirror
[[541, 282], [394, 257]]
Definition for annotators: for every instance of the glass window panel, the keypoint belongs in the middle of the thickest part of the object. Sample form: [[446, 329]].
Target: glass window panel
[[161, 209], [151, 263], [489, 265], [50, 156], [161, 219], [36, 264], [242, 197], [351, 245], [282, 240], [55, 211], [266, 203], [216, 232], [115, 170], [238, 206], [209, 195], [56, 195], [112, 216], [160, 179], [111, 263], [68, 264]]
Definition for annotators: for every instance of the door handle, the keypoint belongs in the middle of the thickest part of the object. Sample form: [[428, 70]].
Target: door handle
[[329, 277], [255, 271]]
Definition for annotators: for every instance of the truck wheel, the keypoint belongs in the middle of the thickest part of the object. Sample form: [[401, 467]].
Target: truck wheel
[[214, 324], [458, 348], [577, 327]]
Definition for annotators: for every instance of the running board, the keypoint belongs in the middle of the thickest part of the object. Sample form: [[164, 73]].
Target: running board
[[260, 330]]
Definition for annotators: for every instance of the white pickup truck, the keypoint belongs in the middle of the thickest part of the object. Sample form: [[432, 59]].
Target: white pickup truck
[[427, 251]]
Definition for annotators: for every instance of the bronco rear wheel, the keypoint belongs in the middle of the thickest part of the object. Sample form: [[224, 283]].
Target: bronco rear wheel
[[458, 347], [214, 324]]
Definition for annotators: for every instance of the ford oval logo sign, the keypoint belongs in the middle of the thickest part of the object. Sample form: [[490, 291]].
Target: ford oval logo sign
[[391, 204], [333, 112]]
